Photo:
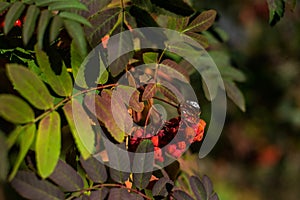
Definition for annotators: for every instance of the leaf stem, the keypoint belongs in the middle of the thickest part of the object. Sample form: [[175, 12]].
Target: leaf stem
[[62, 102]]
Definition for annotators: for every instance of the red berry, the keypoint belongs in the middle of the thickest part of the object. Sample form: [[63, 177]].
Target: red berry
[[155, 140], [18, 23]]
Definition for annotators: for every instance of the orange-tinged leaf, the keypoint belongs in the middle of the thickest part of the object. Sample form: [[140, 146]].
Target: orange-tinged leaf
[[81, 128], [101, 107], [149, 91]]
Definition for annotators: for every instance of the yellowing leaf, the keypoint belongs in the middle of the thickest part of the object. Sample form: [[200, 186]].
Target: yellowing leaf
[[29, 85], [202, 22], [14, 109], [81, 128], [48, 143]]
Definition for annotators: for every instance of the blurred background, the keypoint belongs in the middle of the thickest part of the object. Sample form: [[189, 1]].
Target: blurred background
[[258, 154]]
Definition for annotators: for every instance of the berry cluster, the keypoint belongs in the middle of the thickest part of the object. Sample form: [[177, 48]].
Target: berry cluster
[[177, 134]]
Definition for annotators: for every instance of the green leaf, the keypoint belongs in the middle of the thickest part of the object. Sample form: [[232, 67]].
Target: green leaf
[[202, 22], [44, 3], [30, 21], [13, 15], [42, 25], [103, 73], [150, 57], [66, 177], [94, 6], [56, 25], [101, 107], [63, 5], [4, 164], [232, 73], [198, 188], [26, 137], [81, 128], [62, 83], [13, 136], [4, 6], [76, 60], [143, 4], [95, 169], [235, 94], [30, 86], [143, 164], [76, 32], [276, 10], [14, 109], [48, 143], [28, 185], [75, 17]]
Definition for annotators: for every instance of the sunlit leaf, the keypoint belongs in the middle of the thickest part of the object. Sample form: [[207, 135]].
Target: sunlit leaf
[[66, 177], [235, 94], [202, 22], [95, 170], [29, 186], [162, 187], [149, 91], [12, 15], [30, 86], [198, 188], [143, 164], [26, 137], [181, 195], [76, 32], [101, 107], [14, 109], [62, 83], [30, 22], [81, 128], [150, 57], [48, 143], [99, 194], [276, 10], [44, 20]]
